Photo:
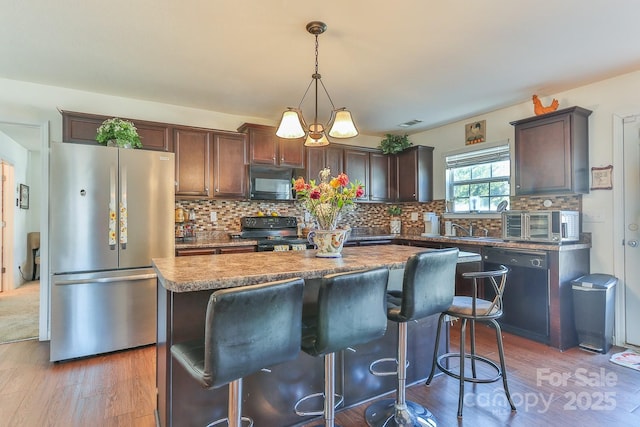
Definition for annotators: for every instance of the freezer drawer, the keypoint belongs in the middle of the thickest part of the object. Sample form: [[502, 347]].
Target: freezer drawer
[[93, 313]]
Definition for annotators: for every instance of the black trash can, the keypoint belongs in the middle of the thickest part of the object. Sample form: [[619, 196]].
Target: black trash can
[[593, 308]]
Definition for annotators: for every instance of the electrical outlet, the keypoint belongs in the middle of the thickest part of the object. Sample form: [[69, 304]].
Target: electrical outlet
[[214, 216], [414, 216]]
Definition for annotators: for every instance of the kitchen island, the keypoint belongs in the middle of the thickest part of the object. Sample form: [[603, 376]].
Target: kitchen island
[[185, 284]]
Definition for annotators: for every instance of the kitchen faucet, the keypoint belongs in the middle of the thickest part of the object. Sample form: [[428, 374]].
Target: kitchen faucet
[[469, 231]]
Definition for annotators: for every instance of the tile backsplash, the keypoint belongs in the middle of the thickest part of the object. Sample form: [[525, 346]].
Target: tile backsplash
[[372, 215]]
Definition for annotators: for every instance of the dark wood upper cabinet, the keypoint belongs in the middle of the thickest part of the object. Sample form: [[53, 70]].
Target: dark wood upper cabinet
[[82, 128], [229, 165], [318, 158], [357, 165], [552, 153], [381, 178], [414, 174], [193, 162], [265, 148]]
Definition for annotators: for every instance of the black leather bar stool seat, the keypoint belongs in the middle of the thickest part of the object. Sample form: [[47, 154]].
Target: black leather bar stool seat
[[474, 309], [428, 287], [246, 329], [350, 311]]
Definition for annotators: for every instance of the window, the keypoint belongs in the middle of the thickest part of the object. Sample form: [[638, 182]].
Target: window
[[478, 180]]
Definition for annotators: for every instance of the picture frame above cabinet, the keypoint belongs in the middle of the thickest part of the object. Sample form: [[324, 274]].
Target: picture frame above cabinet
[[551, 153], [265, 148]]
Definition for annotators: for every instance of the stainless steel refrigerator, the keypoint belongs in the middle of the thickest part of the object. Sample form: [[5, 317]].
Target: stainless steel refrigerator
[[111, 211]]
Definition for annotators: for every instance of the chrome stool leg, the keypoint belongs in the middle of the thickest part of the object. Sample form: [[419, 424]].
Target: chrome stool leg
[[399, 412]]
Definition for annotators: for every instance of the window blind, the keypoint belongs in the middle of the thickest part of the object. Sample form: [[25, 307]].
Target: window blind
[[487, 155]]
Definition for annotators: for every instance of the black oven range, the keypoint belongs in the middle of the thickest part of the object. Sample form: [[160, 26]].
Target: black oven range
[[273, 233]]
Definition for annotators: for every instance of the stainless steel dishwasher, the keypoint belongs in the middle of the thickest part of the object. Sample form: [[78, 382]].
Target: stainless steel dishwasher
[[526, 296]]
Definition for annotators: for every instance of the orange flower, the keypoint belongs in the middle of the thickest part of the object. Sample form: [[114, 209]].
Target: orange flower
[[299, 184], [343, 179]]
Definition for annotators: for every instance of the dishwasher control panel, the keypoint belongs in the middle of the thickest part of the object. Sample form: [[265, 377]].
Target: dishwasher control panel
[[520, 258]]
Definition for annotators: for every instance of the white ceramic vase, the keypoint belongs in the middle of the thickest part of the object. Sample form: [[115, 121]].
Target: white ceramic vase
[[329, 242]]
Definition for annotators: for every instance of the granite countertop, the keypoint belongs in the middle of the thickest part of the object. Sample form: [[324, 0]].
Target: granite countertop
[[203, 272], [226, 241], [497, 242]]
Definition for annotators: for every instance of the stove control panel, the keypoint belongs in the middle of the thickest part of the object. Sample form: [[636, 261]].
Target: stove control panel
[[268, 222]]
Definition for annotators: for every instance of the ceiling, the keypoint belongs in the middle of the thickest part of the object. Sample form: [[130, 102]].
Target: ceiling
[[388, 62]]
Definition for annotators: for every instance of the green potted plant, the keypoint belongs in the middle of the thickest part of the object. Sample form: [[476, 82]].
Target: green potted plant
[[117, 132], [395, 224], [393, 144]]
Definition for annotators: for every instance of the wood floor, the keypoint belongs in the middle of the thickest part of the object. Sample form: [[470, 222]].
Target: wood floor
[[571, 388]]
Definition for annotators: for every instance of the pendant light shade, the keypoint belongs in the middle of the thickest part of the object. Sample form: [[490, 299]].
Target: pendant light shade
[[316, 136], [292, 124], [343, 126]]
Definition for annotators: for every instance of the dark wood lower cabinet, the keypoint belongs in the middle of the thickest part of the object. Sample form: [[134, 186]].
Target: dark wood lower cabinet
[[215, 250]]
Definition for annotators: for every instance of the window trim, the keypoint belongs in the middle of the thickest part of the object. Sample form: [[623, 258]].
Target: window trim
[[473, 155]]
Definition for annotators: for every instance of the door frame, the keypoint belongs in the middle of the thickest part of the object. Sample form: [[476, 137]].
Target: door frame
[[45, 286], [618, 232]]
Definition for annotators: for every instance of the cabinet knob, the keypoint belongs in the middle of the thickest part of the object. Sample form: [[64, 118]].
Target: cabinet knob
[[217, 190]]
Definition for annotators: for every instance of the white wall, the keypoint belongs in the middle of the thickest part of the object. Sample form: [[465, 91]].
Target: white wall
[[613, 96], [14, 154]]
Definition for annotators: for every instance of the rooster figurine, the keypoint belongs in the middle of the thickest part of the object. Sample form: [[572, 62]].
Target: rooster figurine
[[538, 108]]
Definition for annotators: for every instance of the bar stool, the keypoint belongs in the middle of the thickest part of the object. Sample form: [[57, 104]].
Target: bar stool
[[474, 309], [428, 287], [350, 311], [246, 329]]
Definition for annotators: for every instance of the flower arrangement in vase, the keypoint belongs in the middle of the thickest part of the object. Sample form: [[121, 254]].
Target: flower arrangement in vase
[[119, 133], [325, 202]]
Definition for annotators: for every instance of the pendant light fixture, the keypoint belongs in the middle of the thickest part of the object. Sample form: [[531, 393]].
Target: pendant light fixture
[[292, 125]]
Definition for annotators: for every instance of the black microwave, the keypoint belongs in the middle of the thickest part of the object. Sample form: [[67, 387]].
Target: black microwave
[[270, 183]]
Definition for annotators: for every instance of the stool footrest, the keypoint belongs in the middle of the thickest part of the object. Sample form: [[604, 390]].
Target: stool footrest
[[384, 373], [339, 399], [226, 421], [476, 357]]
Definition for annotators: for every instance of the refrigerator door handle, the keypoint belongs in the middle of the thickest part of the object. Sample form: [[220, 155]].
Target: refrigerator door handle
[[108, 279], [113, 216], [123, 207]]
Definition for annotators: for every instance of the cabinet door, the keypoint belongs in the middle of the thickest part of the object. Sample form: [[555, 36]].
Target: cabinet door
[[414, 170], [543, 156], [356, 165], [290, 152], [465, 286], [380, 177], [263, 145], [229, 165], [315, 162], [154, 137], [193, 160], [331, 157]]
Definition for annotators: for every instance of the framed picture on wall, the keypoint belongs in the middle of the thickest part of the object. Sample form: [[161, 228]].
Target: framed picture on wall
[[24, 196], [601, 178], [475, 132]]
